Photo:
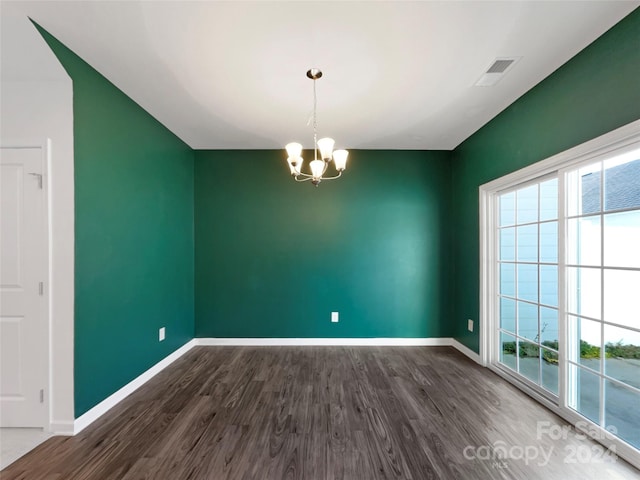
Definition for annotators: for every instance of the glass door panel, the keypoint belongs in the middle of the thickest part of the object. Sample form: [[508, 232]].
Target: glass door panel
[[603, 294], [528, 283]]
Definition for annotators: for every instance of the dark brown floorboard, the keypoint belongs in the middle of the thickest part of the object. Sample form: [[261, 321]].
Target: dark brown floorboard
[[360, 413]]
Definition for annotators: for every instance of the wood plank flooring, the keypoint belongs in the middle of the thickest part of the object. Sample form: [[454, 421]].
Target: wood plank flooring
[[360, 413]]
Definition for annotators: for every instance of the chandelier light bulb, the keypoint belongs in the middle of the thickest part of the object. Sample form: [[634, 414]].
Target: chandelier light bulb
[[326, 148], [340, 159], [295, 165], [294, 150], [317, 167]]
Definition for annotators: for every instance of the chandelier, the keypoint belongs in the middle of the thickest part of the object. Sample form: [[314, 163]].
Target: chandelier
[[324, 147]]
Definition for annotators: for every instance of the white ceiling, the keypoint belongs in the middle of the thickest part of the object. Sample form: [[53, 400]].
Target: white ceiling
[[397, 75]]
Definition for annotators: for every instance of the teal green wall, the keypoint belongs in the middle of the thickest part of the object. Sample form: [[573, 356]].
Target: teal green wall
[[274, 257], [595, 92], [133, 235]]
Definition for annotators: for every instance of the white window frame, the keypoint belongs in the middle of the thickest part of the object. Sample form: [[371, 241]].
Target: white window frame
[[625, 138]]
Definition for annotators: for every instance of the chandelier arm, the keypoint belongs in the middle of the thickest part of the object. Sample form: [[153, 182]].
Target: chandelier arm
[[306, 175], [332, 178], [306, 178]]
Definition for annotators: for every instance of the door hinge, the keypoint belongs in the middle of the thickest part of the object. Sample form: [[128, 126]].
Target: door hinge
[[39, 177], [41, 395], [41, 288]]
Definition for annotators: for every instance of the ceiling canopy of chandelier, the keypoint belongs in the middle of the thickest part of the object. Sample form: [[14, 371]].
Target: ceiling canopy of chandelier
[[324, 147]]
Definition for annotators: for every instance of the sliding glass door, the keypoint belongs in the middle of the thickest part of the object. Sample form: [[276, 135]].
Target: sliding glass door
[[561, 286]]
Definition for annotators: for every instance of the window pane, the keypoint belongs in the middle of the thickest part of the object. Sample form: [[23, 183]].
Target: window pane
[[621, 413], [622, 359], [528, 243], [549, 327], [621, 184], [583, 296], [508, 350], [508, 314], [549, 285], [622, 297], [585, 340], [549, 199], [587, 393], [583, 241], [549, 370], [508, 279], [528, 282], [622, 239], [583, 190], [508, 209], [527, 206], [549, 242], [528, 321], [508, 244], [529, 360]]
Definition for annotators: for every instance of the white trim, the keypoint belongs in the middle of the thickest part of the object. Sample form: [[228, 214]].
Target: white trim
[[60, 427], [112, 400], [46, 278], [487, 260], [26, 143], [372, 342], [48, 290], [466, 351]]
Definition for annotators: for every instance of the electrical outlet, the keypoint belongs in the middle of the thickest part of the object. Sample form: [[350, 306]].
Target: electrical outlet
[[470, 325], [335, 318], [161, 334]]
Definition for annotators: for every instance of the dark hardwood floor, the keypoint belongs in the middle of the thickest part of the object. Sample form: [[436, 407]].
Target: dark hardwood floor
[[319, 413]]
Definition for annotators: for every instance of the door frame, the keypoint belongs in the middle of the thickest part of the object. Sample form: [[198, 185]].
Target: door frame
[[45, 314], [603, 145]]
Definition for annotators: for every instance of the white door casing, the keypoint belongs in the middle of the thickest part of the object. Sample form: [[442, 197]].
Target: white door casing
[[24, 352]]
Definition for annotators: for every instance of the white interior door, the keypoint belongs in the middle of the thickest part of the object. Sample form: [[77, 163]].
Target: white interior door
[[23, 308]]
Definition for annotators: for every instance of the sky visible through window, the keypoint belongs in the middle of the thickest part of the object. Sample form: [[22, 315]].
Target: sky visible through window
[[617, 246]]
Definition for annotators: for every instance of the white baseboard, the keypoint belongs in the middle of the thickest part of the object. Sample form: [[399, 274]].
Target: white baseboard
[[370, 342], [61, 428], [466, 351], [84, 420]]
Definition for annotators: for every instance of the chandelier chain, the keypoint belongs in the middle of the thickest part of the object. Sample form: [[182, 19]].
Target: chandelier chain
[[315, 122]]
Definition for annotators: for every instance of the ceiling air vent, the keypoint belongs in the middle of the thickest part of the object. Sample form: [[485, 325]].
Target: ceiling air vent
[[496, 71]]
